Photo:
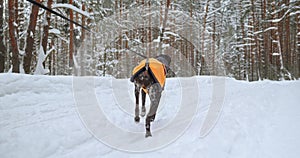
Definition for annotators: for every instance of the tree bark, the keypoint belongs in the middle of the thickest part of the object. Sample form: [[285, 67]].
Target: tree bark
[[2, 46], [214, 72], [46, 29], [255, 50], [71, 43], [17, 17], [287, 50], [204, 25], [245, 49], [30, 38], [298, 45], [83, 23], [273, 47], [203, 32], [266, 43], [164, 22], [13, 40]]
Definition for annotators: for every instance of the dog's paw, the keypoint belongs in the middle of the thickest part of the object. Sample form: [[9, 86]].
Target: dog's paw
[[148, 134], [137, 119], [143, 113]]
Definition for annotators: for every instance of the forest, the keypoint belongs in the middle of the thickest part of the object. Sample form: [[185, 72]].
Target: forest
[[244, 39]]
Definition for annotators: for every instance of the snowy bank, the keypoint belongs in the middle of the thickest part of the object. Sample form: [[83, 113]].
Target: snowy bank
[[39, 117]]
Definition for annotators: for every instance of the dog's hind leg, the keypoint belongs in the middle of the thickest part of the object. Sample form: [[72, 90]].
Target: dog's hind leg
[[137, 108], [143, 113], [154, 94]]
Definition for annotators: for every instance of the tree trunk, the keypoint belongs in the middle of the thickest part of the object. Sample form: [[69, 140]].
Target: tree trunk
[[82, 70], [30, 38], [71, 43], [214, 72], [13, 40], [245, 49], [204, 28], [83, 23], [273, 47], [266, 43], [164, 23], [166, 13], [2, 47], [202, 52], [17, 17], [298, 45], [287, 50], [46, 29], [252, 47], [193, 52]]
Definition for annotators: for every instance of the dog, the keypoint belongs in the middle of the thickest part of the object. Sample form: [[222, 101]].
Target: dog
[[150, 76]]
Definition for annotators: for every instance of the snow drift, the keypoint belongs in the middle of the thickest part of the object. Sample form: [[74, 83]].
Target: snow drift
[[39, 117]]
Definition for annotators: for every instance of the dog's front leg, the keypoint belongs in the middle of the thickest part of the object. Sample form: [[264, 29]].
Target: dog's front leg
[[154, 95], [137, 108]]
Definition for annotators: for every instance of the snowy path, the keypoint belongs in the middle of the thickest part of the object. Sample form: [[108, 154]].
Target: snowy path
[[42, 116]]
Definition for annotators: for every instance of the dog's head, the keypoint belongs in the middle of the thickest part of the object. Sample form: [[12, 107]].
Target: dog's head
[[164, 59]]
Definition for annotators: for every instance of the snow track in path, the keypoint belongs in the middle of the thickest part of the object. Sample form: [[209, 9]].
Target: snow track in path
[[114, 106]]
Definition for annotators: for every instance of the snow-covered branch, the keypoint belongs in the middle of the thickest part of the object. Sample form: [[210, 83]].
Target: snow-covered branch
[[69, 6]]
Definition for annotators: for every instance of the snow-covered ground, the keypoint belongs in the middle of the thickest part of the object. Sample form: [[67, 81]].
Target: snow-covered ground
[[46, 116]]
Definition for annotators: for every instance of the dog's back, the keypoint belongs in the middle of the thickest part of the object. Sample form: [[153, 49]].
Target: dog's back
[[152, 70]]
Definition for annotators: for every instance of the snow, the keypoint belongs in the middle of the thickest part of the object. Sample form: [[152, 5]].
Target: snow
[[171, 33], [54, 31], [157, 40], [165, 45], [21, 52], [15, 24], [40, 70], [31, 34], [279, 19], [56, 116], [295, 13], [270, 28], [71, 7]]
